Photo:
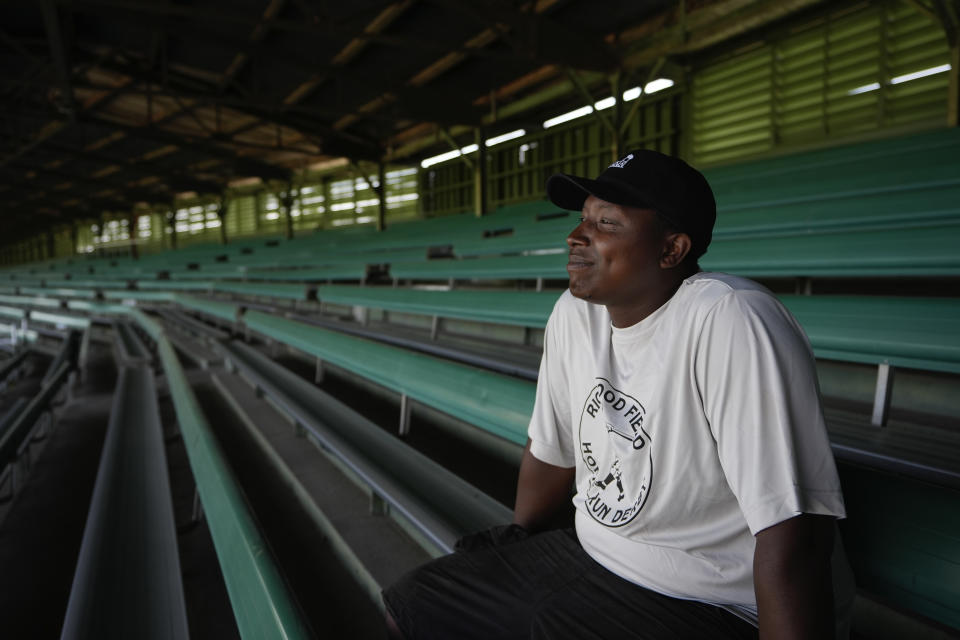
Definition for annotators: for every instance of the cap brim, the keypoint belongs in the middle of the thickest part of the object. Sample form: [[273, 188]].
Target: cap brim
[[570, 192]]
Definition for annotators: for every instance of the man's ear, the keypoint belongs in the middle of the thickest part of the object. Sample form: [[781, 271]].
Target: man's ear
[[676, 246]]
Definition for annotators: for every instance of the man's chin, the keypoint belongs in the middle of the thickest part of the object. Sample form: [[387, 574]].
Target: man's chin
[[580, 291]]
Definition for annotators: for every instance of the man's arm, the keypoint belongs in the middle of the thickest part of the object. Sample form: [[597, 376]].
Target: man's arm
[[792, 577], [543, 490]]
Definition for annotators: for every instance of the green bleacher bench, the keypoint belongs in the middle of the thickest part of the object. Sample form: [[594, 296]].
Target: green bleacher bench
[[128, 574], [924, 204], [208, 274], [355, 271], [522, 308], [100, 308], [547, 265], [32, 301], [14, 313], [174, 285], [880, 165], [536, 236], [262, 604], [328, 257], [922, 250], [916, 333], [86, 284], [490, 401], [530, 210], [265, 289], [147, 296], [60, 319], [59, 292], [226, 312], [438, 503]]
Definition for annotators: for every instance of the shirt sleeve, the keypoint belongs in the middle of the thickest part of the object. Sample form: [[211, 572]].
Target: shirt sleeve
[[551, 438], [758, 383]]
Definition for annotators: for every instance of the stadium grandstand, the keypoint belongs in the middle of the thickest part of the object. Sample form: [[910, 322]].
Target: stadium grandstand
[[274, 277]]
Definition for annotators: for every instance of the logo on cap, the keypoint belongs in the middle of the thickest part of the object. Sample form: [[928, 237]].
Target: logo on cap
[[619, 164]]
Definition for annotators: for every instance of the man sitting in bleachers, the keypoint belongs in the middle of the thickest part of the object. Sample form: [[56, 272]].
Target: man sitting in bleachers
[[683, 406]]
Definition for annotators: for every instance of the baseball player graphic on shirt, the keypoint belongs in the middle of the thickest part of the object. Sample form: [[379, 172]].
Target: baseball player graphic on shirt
[[616, 448]]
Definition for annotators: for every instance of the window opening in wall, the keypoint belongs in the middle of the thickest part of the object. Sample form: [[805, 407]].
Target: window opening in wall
[[470, 148], [907, 77], [630, 94], [144, 226]]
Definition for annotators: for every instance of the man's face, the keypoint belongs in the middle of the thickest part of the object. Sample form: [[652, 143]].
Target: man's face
[[615, 254]]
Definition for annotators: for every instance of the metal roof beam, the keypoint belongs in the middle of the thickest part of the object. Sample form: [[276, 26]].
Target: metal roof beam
[[137, 193], [241, 164], [178, 180], [51, 21], [536, 38]]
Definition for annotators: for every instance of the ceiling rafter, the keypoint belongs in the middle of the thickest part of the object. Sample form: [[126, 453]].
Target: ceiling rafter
[[140, 82], [58, 51], [251, 166]]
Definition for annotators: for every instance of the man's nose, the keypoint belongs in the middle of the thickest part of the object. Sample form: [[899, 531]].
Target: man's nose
[[579, 235]]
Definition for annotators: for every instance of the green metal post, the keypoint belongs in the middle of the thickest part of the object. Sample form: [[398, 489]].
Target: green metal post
[[382, 195], [132, 233], [222, 216], [480, 187], [326, 200], [953, 100], [172, 222], [287, 203]]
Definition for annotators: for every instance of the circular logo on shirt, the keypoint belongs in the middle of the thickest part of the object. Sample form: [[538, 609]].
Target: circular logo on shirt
[[617, 452]]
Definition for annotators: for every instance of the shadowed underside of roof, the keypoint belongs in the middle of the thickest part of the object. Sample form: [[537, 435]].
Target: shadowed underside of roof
[[109, 103]]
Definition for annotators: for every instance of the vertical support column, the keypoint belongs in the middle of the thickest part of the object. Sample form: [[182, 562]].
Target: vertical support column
[[51, 245], [288, 210], [132, 232], [881, 397], [480, 192], [953, 100], [101, 229], [616, 144], [325, 183], [74, 238], [222, 217], [382, 195], [172, 223], [405, 407]]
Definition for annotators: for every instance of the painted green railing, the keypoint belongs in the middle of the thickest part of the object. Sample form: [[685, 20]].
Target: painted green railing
[[262, 605]]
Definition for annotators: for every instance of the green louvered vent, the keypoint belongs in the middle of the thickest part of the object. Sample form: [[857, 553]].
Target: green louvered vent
[[840, 75], [241, 216]]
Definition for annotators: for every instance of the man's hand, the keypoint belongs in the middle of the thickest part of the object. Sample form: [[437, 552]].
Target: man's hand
[[542, 491], [792, 577]]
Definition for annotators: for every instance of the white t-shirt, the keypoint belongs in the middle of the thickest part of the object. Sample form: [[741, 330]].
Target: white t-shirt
[[690, 432]]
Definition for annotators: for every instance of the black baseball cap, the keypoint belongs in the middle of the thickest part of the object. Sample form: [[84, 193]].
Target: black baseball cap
[[649, 180]]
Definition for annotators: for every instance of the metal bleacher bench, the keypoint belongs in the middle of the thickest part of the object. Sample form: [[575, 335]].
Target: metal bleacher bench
[[262, 603], [919, 333], [127, 582], [265, 289], [524, 308], [492, 402], [538, 267]]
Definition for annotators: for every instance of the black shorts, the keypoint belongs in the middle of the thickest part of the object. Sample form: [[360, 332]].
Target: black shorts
[[543, 586]]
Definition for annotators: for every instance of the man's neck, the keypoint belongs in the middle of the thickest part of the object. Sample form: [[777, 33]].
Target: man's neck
[[622, 316]]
